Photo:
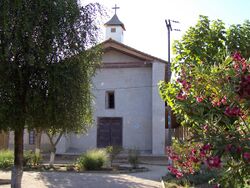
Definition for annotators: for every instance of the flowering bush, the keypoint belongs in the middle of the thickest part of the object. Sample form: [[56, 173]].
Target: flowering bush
[[188, 158], [214, 101], [184, 158], [210, 94]]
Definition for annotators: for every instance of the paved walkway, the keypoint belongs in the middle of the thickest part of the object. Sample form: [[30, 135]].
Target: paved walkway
[[150, 179]]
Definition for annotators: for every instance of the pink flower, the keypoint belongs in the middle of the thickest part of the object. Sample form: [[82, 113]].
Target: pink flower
[[232, 112], [194, 159], [174, 157], [246, 156], [186, 85], [244, 87], [243, 65], [224, 100], [181, 96], [205, 127], [216, 103], [175, 171], [193, 151], [214, 162], [184, 82], [199, 99], [229, 147], [206, 147], [179, 175], [203, 153], [237, 56], [217, 186], [239, 149]]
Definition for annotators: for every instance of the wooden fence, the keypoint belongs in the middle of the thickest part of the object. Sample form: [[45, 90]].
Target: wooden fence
[[4, 140], [180, 133]]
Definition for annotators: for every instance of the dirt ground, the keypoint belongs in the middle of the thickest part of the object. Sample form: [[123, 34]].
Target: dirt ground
[[150, 179]]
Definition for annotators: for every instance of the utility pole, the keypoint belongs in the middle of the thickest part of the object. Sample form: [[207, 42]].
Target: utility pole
[[168, 77], [169, 27]]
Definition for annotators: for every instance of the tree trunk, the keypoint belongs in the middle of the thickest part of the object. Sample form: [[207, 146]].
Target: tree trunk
[[53, 146], [52, 155], [38, 142], [17, 171]]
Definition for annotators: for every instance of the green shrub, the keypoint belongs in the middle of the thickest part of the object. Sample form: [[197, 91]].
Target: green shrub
[[113, 152], [6, 159], [31, 159], [201, 178], [92, 160], [133, 157]]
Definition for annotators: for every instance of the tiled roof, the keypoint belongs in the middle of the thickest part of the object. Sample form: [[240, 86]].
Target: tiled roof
[[113, 44], [115, 21]]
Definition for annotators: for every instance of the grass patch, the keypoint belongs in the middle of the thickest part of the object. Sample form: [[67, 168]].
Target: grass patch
[[6, 159]]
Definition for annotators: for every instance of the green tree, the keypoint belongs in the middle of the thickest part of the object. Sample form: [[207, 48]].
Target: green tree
[[70, 98], [45, 69], [210, 42], [210, 94], [238, 38]]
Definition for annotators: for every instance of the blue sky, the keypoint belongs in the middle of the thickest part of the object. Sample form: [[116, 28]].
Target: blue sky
[[145, 19]]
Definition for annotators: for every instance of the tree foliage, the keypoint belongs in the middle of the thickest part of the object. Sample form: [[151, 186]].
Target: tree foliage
[[45, 66]]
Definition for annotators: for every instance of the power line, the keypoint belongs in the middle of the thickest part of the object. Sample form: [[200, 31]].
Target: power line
[[121, 88]]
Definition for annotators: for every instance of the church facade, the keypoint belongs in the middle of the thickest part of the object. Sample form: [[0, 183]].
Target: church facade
[[128, 110]]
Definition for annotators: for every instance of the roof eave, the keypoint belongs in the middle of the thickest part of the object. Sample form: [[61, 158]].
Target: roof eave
[[110, 43]]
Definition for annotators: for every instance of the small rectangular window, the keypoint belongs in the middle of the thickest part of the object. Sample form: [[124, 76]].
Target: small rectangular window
[[32, 137], [110, 99], [113, 30]]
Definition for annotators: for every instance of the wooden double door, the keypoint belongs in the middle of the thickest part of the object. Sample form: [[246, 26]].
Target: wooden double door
[[109, 131]]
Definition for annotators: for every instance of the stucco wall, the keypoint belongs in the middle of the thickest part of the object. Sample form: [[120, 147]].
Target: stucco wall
[[118, 35], [45, 145], [158, 111], [133, 102], [115, 56]]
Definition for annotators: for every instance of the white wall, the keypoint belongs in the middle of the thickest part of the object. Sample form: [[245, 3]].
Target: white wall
[[137, 101], [133, 95], [118, 35], [115, 56], [45, 145], [158, 111]]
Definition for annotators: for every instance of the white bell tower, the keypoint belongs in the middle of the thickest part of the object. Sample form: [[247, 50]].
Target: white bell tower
[[115, 28]]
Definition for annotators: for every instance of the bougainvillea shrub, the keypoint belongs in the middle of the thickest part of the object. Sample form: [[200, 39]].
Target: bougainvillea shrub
[[214, 101], [210, 93]]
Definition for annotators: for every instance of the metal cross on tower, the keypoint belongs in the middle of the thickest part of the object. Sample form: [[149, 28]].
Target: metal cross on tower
[[116, 7]]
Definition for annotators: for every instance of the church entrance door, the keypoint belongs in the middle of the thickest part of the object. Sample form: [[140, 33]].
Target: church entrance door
[[109, 132]]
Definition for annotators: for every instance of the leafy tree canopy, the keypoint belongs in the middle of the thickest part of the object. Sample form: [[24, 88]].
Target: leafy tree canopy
[[46, 69], [209, 41]]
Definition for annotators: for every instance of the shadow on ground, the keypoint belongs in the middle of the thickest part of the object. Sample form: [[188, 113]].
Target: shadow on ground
[[149, 179]]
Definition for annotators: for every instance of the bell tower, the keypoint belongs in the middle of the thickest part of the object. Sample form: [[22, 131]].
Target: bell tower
[[115, 28]]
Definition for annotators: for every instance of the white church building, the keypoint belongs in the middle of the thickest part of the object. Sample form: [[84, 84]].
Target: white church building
[[128, 110]]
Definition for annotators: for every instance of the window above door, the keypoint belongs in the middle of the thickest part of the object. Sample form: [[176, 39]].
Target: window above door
[[110, 100]]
